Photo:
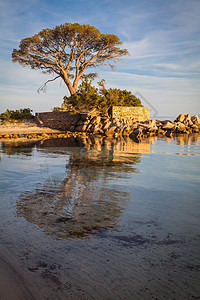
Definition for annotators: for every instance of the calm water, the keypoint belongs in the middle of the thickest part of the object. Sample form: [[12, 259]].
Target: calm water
[[103, 219]]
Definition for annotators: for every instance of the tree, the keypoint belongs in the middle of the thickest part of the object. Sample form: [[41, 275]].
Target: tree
[[68, 50]]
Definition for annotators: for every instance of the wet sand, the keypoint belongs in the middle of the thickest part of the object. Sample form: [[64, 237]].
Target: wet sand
[[13, 285]]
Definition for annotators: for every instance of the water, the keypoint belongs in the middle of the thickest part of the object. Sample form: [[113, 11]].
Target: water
[[103, 219]]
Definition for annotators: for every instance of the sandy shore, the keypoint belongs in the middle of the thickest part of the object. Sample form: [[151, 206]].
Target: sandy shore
[[13, 285], [24, 128]]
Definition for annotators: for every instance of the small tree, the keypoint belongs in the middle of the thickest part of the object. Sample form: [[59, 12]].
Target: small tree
[[68, 50]]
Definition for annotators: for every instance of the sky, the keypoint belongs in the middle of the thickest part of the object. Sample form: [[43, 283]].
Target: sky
[[163, 38]]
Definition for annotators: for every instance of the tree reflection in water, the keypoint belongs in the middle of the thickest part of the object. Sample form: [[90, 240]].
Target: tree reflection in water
[[84, 202]]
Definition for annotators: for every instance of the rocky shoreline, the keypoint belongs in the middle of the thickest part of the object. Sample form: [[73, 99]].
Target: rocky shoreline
[[97, 125], [183, 124]]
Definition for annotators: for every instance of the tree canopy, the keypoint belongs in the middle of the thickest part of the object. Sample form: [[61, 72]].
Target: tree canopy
[[68, 50]]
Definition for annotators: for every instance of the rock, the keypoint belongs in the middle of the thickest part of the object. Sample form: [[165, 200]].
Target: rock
[[187, 118], [96, 120], [134, 126], [180, 118], [149, 125], [109, 132], [153, 128], [181, 127], [80, 122], [150, 122], [159, 123], [188, 123], [136, 133], [161, 132], [168, 125], [168, 133], [111, 128], [106, 125], [195, 120], [195, 128], [96, 128]]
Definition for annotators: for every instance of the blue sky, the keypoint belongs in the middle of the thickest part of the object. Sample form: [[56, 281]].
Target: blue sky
[[163, 38]]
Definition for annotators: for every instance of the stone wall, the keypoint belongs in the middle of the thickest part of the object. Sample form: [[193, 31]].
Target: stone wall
[[60, 120], [131, 113]]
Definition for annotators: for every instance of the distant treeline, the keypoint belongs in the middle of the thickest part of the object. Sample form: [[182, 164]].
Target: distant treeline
[[17, 115]]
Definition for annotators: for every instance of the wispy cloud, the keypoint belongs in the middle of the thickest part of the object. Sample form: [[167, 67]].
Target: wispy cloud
[[169, 95]]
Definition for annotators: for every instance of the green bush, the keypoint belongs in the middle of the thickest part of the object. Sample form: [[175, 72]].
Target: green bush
[[85, 99], [88, 98], [17, 115]]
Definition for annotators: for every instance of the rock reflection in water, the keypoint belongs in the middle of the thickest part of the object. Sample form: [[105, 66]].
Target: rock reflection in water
[[83, 203]]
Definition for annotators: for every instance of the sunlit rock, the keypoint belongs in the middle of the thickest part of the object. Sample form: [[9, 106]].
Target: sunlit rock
[[180, 118]]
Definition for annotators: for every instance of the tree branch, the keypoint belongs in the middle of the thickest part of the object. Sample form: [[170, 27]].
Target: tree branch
[[44, 86]]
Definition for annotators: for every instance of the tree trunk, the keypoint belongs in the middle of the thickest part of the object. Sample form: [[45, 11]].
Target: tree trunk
[[71, 88], [75, 84]]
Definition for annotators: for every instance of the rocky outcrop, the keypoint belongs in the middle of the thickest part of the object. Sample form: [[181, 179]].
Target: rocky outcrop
[[106, 126], [182, 124]]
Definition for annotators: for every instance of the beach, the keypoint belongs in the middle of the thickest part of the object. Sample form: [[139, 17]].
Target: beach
[[25, 128], [13, 284]]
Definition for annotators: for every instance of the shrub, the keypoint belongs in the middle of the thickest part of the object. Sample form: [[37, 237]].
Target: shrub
[[88, 98], [85, 99]]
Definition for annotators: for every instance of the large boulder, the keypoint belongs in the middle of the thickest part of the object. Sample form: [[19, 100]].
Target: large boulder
[[136, 133], [195, 120], [180, 118], [187, 120], [149, 125], [168, 125], [195, 128], [181, 127]]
